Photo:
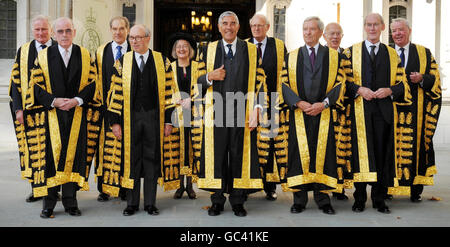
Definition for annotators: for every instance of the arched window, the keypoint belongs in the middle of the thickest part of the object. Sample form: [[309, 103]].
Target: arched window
[[276, 13], [398, 9], [279, 22]]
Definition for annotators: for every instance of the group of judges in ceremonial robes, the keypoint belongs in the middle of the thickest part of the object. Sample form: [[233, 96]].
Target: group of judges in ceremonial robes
[[233, 116]]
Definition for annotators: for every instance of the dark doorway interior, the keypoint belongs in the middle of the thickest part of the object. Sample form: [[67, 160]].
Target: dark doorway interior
[[198, 17]]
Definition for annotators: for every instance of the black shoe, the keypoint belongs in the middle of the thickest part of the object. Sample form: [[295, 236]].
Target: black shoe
[[297, 208], [271, 196], [191, 193], [239, 210], [74, 211], [358, 207], [416, 199], [327, 209], [179, 193], [103, 197], [130, 210], [152, 210], [381, 207], [215, 209], [31, 198], [47, 213]]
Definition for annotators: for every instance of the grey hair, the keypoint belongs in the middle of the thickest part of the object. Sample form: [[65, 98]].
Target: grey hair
[[40, 18], [317, 19], [378, 15], [174, 48], [60, 19], [121, 18], [228, 13], [406, 22], [260, 16], [146, 29]]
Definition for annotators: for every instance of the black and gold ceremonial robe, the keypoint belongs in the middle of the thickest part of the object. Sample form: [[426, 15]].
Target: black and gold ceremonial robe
[[104, 61], [180, 121], [418, 122], [363, 166], [117, 168], [59, 141], [311, 154], [18, 86], [272, 63], [250, 78]]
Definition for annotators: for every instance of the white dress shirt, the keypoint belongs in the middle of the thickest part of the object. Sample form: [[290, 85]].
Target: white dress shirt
[[233, 46], [38, 45], [406, 52], [368, 44], [124, 48], [137, 56], [62, 51], [263, 46], [316, 49]]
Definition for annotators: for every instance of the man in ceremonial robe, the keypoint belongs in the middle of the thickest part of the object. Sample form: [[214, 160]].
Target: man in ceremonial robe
[[20, 77], [416, 166], [377, 83], [224, 134], [106, 55], [271, 53], [57, 116], [333, 36], [315, 84], [139, 112]]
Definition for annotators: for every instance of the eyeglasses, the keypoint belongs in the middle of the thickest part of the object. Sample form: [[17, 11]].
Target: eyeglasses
[[137, 38], [257, 26], [62, 31]]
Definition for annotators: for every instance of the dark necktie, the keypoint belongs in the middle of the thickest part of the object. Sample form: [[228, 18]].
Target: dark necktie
[[259, 50], [230, 52], [142, 65], [312, 57], [119, 52], [43, 47], [402, 56], [372, 53]]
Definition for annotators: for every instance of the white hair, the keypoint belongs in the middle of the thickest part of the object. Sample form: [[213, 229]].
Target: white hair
[[260, 16], [228, 13], [317, 19], [403, 20], [40, 18]]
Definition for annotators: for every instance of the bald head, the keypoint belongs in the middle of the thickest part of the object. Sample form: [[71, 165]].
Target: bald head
[[374, 26], [333, 35], [64, 31], [139, 38]]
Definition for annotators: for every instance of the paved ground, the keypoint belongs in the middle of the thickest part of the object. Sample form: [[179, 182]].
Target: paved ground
[[15, 212]]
